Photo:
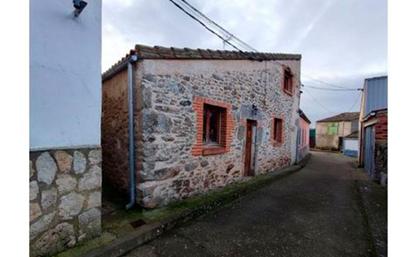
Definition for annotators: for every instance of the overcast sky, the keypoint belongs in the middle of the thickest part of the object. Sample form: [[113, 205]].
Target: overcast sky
[[341, 42]]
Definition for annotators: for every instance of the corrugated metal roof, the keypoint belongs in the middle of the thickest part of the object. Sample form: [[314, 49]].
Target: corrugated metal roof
[[375, 94]]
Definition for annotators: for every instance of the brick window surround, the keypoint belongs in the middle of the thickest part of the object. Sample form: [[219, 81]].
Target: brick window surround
[[199, 148], [277, 136], [287, 81]]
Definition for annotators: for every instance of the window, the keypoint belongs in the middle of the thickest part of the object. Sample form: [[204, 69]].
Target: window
[[212, 125], [214, 128], [288, 81], [277, 130]]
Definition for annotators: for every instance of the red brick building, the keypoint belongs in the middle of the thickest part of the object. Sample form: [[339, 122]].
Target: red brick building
[[374, 128]]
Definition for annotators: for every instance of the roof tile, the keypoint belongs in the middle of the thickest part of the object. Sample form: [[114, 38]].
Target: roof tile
[[159, 52]]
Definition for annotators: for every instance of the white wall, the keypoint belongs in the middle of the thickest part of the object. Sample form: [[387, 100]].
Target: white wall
[[65, 75], [351, 144]]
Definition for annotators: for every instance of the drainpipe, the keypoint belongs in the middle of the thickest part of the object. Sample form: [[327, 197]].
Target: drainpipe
[[128, 63], [130, 100]]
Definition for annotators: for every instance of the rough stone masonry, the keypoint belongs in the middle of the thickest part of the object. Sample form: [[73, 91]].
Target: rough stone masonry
[[172, 88], [65, 199]]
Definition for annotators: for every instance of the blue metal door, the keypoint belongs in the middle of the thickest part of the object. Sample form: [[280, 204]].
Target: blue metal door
[[369, 151]]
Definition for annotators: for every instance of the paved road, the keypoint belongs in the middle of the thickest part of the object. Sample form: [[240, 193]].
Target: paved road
[[314, 212]]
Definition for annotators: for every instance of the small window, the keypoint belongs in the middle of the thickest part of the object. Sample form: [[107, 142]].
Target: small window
[[288, 81], [212, 125], [277, 132]]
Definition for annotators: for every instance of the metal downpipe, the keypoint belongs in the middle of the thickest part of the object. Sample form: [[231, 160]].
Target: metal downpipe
[[130, 100]]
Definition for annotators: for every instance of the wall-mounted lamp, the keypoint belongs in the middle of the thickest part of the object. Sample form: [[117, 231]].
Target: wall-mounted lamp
[[254, 109], [78, 5]]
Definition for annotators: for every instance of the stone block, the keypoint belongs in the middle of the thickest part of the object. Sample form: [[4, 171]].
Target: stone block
[[95, 156], [46, 168], [64, 161], [65, 183], [55, 240], [70, 205], [161, 174], [79, 162], [34, 190], [35, 211], [92, 179], [41, 225], [48, 198], [94, 200]]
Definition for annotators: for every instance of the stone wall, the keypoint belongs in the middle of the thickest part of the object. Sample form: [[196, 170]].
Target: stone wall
[[115, 132], [65, 199], [253, 90], [381, 161]]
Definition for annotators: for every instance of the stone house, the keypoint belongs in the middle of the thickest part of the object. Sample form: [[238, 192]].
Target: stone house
[[303, 136], [65, 111], [374, 128], [331, 131], [202, 119]]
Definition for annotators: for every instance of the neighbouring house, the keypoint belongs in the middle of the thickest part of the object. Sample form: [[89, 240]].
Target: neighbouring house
[[331, 131], [65, 111], [202, 119], [303, 135], [374, 128], [350, 145], [312, 138]]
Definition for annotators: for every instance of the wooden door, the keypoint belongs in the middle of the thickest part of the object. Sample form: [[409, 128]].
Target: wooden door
[[250, 147]]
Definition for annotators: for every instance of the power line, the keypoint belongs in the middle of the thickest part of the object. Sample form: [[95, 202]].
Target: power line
[[323, 82], [333, 89], [204, 25], [230, 36], [234, 41], [319, 103], [356, 101]]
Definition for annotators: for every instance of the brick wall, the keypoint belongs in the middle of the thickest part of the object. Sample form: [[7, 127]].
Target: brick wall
[[381, 128]]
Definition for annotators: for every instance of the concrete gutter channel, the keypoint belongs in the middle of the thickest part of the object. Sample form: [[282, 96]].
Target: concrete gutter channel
[[148, 232]]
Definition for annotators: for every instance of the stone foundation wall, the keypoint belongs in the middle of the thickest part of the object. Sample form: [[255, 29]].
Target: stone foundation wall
[[253, 90], [65, 199], [381, 161]]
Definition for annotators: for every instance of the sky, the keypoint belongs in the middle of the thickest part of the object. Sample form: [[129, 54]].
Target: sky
[[341, 42]]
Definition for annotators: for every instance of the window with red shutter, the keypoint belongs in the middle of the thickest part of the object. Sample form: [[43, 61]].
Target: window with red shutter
[[288, 81], [277, 133]]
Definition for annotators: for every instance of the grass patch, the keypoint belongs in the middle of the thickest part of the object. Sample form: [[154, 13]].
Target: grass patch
[[87, 246]]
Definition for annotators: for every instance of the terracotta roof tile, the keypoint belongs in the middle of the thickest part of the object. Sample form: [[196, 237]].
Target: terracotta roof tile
[[345, 116], [159, 52]]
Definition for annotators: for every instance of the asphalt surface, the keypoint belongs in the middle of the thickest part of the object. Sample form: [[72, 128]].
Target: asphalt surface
[[313, 212]]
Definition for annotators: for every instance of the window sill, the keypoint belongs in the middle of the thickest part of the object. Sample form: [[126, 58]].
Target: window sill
[[212, 150]]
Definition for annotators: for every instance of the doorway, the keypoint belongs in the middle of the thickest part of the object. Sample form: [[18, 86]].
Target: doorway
[[250, 148]]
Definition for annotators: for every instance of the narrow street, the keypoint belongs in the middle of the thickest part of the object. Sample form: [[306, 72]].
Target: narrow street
[[314, 212]]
